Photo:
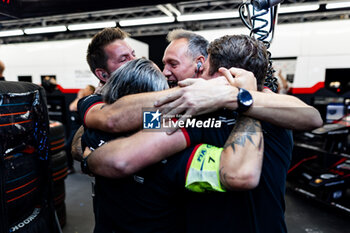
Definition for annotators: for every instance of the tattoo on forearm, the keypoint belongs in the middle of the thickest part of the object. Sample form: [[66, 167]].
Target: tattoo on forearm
[[244, 130]]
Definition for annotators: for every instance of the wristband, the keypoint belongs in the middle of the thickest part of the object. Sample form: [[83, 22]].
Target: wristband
[[85, 166]]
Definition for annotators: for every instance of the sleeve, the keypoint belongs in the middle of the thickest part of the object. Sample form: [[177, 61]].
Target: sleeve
[[192, 135], [86, 103], [89, 139], [213, 129], [202, 170], [96, 138], [216, 136]]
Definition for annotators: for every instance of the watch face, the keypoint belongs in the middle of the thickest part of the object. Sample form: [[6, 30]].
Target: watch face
[[246, 98]]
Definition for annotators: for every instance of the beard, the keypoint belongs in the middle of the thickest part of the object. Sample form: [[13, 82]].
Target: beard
[[172, 83]]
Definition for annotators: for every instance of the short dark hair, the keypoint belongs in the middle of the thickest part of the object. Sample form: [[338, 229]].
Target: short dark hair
[[197, 44], [136, 76], [96, 56], [239, 51]]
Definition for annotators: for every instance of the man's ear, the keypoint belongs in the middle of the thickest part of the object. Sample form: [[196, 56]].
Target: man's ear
[[200, 64], [101, 74]]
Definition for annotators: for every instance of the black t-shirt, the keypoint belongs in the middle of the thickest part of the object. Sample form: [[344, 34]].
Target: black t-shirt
[[154, 199], [257, 210], [143, 202], [86, 103], [151, 200]]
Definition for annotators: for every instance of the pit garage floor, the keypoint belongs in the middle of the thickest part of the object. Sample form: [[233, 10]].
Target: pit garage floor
[[302, 215]]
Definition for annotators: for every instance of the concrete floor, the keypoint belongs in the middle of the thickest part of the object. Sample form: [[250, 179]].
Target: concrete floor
[[80, 218], [301, 215]]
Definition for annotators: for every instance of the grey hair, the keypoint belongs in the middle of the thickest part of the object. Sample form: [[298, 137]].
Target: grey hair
[[197, 44], [136, 76]]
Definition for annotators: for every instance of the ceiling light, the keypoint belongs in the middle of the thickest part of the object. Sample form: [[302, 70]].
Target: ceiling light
[[61, 28], [164, 10], [293, 9], [87, 26], [143, 21], [16, 32], [337, 5], [173, 9], [207, 16]]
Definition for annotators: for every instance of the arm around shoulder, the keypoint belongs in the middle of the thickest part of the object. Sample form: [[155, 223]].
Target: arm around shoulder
[[124, 115], [284, 111], [125, 156]]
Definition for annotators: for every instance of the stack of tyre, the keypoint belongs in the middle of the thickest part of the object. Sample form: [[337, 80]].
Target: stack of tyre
[[59, 168], [26, 203]]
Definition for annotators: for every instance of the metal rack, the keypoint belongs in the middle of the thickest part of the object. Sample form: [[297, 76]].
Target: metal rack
[[187, 7]]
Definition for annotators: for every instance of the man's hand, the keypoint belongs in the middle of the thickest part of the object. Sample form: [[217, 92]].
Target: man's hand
[[239, 78], [197, 97], [98, 88], [87, 151], [76, 150]]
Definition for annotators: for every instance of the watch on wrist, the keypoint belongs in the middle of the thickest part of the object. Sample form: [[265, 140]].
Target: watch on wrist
[[244, 100], [85, 166]]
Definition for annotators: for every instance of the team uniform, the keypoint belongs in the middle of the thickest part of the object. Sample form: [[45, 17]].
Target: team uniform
[[259, 210], [86, 103], [155, 199], [143, 202]]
